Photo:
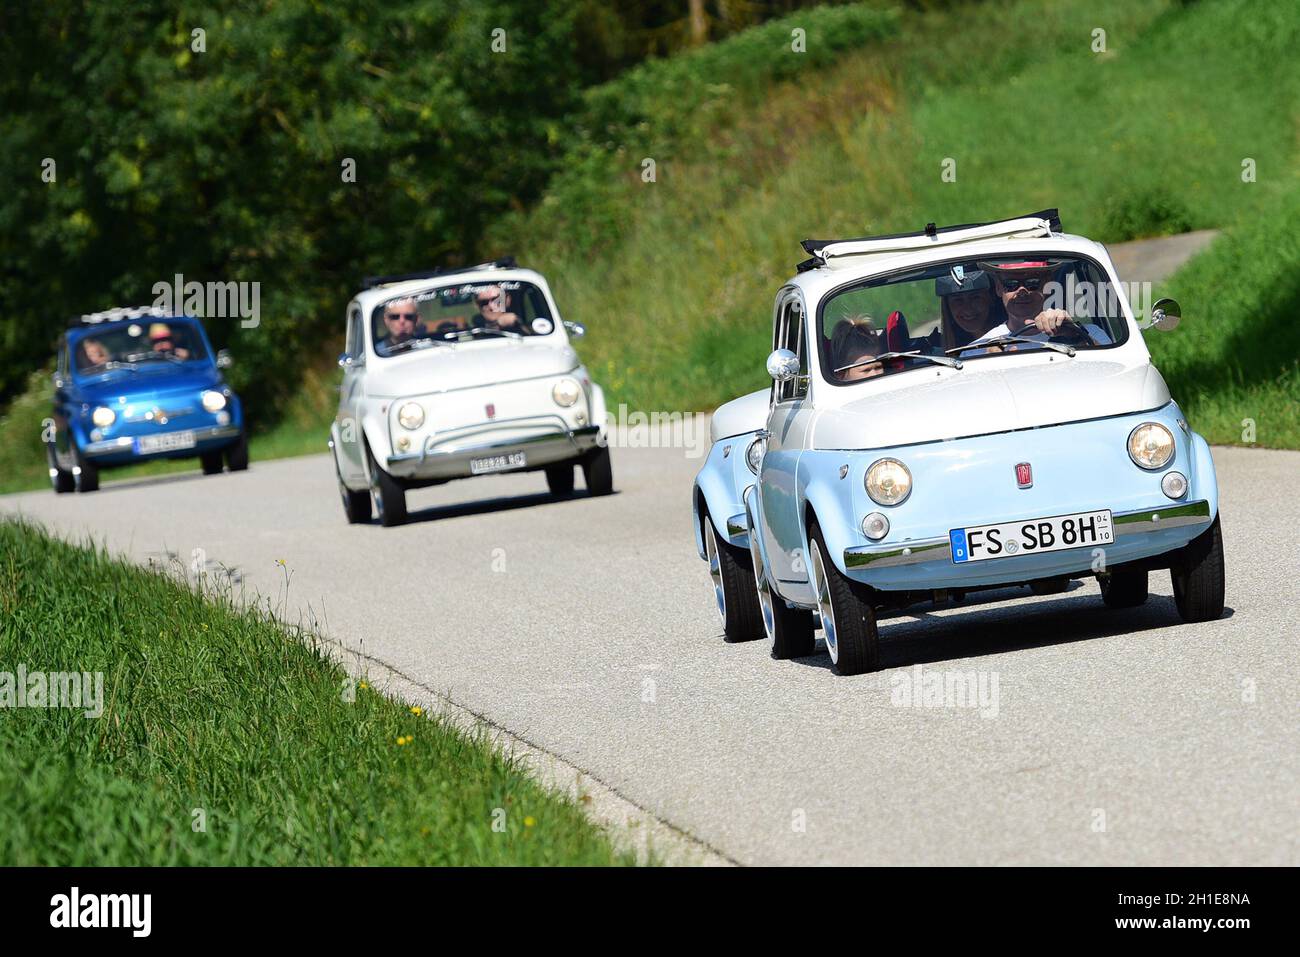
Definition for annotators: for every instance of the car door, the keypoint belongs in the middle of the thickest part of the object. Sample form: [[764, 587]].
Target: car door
[[351, 394], [788, 423], [59, 429]]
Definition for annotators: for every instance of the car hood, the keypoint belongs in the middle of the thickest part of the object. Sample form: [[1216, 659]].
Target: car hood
[[147, 382], [464, 366], [977, 401]]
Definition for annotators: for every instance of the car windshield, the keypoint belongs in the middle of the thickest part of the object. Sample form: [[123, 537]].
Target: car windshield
[[465, 312], [968, 309], [134, 344]]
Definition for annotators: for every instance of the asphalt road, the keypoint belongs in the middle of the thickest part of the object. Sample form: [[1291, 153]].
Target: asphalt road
[[586, 627]]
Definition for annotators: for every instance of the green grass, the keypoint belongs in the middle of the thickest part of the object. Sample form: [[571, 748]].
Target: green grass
[[1144, 139], [210, 707]]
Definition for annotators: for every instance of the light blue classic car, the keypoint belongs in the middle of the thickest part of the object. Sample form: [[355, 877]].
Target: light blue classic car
[[955, 409]]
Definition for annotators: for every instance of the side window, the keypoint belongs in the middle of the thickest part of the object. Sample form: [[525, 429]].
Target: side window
[[789, 335], [356, 346]]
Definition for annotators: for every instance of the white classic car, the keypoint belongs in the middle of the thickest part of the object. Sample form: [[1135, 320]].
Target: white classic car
[[956, 409], [462, 373]]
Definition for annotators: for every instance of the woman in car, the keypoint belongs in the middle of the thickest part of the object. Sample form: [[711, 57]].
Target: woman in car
[[853, 342], [968, 307]]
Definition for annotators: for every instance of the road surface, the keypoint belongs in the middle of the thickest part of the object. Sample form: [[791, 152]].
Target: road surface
[[585, 626]]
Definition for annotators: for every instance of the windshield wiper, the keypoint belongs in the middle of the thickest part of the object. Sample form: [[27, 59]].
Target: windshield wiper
[[914, 354], [109, 366], [1008, 340], [483, 331]]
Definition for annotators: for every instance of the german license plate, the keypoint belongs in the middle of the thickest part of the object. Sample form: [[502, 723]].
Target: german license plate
[[164, 442], [981, 543], [497, 463]]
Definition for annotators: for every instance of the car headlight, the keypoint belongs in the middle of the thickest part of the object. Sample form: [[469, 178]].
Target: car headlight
[[103, 416], [411, 415], [213, 401], [888, 482], [1151, 446], [754, 455], [566, 392]]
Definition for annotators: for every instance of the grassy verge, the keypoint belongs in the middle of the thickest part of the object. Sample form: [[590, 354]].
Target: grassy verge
[[213, 708]]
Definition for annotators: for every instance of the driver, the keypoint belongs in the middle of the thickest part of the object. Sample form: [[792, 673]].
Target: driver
[[401, 316], [492, 314], [853, 342], [93, 353], [1020, 288], [162, 341]]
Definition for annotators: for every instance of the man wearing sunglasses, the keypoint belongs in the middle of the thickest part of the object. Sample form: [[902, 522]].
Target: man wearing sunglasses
[[1021, 288], [401, 319], [492, 312]]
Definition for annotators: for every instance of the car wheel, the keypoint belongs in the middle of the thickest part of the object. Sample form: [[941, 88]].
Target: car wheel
[[1049, 586], [62, 480], [237, 454], [356, 505], [598, 472], [848, 622], [211, 462], [87, 472], [1198, 576], [389, 497], [789, 630], [1124, 587], [733, 588], [559, 478]]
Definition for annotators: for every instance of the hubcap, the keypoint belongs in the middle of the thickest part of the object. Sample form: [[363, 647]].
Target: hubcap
[[715, 569], [825, 611]]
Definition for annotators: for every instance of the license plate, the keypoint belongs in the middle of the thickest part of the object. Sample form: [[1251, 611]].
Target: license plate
[[495, 463], [981, 543], [165, 442]]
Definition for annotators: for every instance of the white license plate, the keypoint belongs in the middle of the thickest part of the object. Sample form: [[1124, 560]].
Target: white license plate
[[495, 463], [165, 442], [981, 543]]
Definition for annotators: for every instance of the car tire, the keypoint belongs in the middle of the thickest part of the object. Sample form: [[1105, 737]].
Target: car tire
[[1124, 587], [61, 479], [87, 474], [733, 587], [389, 497], [559, 479], [1198, 576], [356, 505], [211, 462], [1049, 586], [237, 454], [848, 622], [789, 630], [598, 471]]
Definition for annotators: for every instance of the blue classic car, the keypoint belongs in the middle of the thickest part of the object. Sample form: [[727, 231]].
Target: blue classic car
[[133, 385], [956, 409]]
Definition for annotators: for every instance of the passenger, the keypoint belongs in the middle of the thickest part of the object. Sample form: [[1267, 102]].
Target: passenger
[[968, 308], [492, 311], [401, 317], [853, 342], [162, 340], [93, 353], [1020, 288]]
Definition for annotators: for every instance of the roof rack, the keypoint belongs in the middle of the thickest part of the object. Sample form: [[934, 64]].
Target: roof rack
[[118, 314], [370, 282], [822, 251]]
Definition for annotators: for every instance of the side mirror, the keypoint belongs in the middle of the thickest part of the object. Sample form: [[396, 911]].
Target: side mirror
[[345, 361], [224, 359], [576, 329], [783, 365], [1165, 314]]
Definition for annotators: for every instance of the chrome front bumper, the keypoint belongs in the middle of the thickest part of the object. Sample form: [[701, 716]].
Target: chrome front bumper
[[928, 549], [126, 444], [447, 455]]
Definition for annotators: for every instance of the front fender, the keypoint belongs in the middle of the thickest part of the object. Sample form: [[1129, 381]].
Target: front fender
[[1203, 480], [720, 489], [599, 414], [374, 427], [828, 498]]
